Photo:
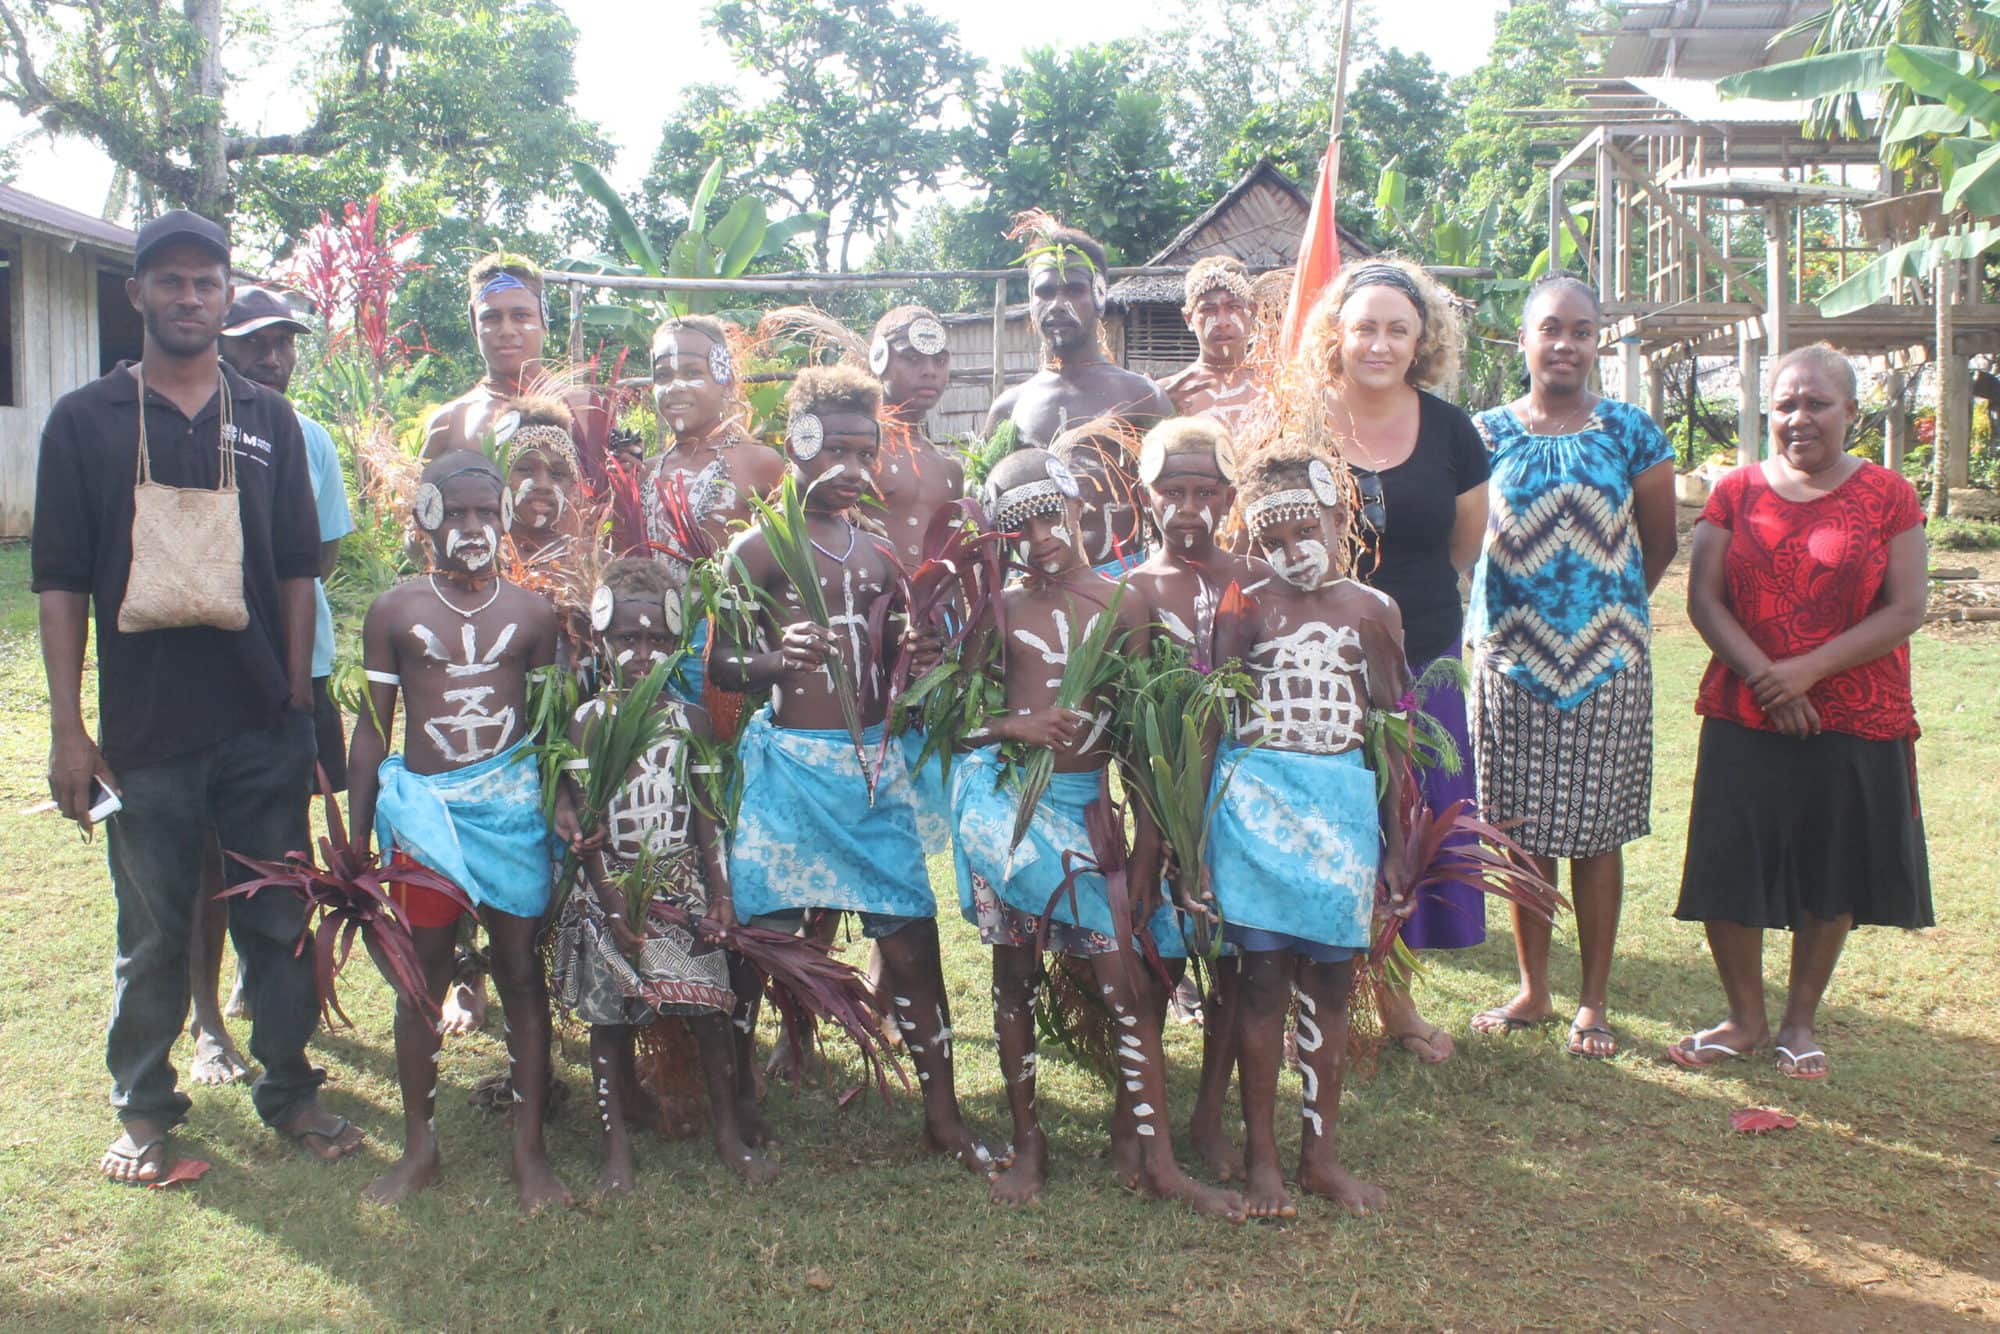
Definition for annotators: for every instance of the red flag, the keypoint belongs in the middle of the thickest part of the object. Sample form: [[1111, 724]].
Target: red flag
[[1319, 252]]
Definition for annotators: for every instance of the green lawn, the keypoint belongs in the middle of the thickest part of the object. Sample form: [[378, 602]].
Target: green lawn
[[1530, 1190]]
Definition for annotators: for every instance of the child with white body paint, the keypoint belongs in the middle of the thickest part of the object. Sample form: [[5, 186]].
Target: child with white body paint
[[617, 974], [464, 798], [543, 469], [1296, 847]]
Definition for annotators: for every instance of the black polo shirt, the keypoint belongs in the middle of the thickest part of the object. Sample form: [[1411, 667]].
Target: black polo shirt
[[164, 693]]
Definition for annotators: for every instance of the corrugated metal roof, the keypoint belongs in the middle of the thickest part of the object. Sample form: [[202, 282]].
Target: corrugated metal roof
[[1696, 99], [1703, 39], [32, 213]]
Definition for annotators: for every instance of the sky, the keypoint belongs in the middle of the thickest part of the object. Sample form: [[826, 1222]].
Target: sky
[[632, 60]]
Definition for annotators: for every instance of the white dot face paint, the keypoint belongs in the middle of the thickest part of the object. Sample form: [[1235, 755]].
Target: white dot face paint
[[1308, 570]]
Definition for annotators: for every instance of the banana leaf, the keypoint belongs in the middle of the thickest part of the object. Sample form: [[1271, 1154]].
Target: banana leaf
[[345, 896]]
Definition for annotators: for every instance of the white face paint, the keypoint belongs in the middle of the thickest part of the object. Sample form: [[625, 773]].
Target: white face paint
[[472, 550], [1308, 570]]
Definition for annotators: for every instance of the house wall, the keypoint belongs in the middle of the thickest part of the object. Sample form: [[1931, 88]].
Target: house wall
[[54, 346]]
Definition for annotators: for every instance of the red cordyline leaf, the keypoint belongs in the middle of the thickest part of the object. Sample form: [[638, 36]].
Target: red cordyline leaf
[[345, 898], [1757, 1120], [955, 584], [1455, 846], [687, 541]]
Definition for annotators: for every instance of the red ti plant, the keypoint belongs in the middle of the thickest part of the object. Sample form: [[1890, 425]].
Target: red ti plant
[[352, 270], [346, 895], [954, 586]]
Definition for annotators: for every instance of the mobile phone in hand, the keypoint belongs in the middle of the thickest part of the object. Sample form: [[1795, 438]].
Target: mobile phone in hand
[[104, 802]]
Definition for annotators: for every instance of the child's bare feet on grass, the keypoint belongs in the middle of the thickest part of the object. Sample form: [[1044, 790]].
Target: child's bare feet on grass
[[1265, 1195], [962, 1144], [1128, 1160], [464, 1008], [216, 1060], [754, 1166], [1208, 1201], [618, 1176], [138, 1157], [414, 1171], [1222, 1158], [1022, 1182], [1356, 1196], [539, 1185]]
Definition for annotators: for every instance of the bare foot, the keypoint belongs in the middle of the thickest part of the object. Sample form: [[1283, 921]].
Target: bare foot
[[1522, 1012], [1208, 1201], [1223, 1159], [617, 1176], [1431, 1045], [1022, 1182], [1185, 1005], [1127, 1159], [1355, 1195], [320, 1133], [783, 1067], [137, 1157], [216, 1060], [751, 1126], [1265, 1195], [413, 1172], [539, 1185], [464, 1009], [756, 1167], [963, 1145]]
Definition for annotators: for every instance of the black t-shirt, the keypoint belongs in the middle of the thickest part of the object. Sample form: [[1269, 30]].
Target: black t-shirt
[[1412, 559], [163, 693]]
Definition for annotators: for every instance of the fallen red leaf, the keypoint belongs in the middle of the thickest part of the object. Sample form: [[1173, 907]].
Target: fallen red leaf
[[1757, 1120]]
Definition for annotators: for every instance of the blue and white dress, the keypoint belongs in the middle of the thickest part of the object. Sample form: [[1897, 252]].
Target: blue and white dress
[[1562, 698]]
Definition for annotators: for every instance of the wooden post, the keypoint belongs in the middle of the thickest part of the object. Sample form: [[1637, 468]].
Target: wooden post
[[1951, 441], [1633, 367], [1750, 412], [1777, 282], [1601, 222], [1656, 394], [575, 324], [1895, 421], [999, 385]]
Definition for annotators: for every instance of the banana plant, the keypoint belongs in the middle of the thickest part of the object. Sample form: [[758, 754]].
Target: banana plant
[[1946, 121], [741, 237]]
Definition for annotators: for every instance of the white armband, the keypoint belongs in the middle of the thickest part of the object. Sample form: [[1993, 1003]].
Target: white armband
[[383, 678]]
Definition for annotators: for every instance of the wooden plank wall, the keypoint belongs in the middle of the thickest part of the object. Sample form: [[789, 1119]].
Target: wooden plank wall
[[55, 351], [962, 410]]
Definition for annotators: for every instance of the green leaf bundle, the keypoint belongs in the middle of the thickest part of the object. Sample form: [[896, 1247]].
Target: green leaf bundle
[[1091, 667]]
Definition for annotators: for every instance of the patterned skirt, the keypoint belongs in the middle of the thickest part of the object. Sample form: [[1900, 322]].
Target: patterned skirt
[[674, 974], [1579, 781]]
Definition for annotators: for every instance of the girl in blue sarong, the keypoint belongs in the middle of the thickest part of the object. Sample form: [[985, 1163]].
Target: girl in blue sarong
[[1296, 848]]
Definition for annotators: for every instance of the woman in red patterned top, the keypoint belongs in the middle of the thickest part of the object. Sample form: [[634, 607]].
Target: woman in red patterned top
[[1807, 581]]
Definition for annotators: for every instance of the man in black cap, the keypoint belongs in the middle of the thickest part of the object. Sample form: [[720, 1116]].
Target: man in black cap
[[200, 726], [260, 342]]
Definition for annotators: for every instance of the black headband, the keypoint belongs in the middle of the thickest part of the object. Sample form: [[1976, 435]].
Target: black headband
[[487, 472], [1386, 275]]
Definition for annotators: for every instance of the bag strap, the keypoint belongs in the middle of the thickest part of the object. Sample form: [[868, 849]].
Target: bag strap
[[225, 427]]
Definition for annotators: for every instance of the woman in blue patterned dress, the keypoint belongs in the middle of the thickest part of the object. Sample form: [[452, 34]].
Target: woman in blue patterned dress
[[1582, 528]]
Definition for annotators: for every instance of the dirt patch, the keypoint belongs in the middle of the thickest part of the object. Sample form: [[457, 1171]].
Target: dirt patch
[[1958, 603]]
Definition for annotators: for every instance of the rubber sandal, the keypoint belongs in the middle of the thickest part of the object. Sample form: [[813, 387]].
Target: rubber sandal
[[136, 1158], [1507, 1024], [1787, 1056], [1686, 1052], [341, 1125], [1576, 1034]]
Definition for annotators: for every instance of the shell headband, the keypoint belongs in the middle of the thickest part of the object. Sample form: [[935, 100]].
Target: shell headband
[[541, 438], [1016, 505], [1153, 458], [1300, 502], [1218, 276], [603, 602]]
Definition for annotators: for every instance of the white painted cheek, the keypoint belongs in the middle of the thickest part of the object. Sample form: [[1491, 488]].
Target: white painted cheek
[[657, 657], [1207, 517], [1062, 534], [623, 658], [1168, 515]]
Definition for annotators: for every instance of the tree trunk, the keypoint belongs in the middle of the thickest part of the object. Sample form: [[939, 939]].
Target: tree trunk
[[213, 196]]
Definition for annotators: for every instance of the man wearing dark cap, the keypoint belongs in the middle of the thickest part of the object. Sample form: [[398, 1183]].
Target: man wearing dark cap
[[206, 719], [260, 342]]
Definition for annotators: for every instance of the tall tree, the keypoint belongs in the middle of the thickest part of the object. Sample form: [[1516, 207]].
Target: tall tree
[[466, 99], [854, 123]]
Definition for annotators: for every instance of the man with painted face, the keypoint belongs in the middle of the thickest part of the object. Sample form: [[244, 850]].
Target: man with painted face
[[510, 320], [206, 720], [1222, 312], [1066, 289], [464, 798], [717, 464], [260, 343], [826, 825], [913, 479]]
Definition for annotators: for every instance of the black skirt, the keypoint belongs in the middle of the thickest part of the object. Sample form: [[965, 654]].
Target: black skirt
[[1781, 828]]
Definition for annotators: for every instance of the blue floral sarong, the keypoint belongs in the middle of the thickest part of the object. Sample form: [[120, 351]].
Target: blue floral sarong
[[1296, 845], [1117, 566], [1023, 879], [932, 796], [806, 836], [481, 826]]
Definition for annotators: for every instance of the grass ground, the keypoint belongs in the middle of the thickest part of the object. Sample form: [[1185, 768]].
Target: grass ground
[[1530, 1190]]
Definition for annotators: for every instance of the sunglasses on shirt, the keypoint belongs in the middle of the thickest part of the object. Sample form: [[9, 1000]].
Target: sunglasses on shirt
[[1374, 508]]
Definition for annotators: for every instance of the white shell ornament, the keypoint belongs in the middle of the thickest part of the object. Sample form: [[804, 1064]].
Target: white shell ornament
[[878, 356], [720, 368], [1323, 485], [1098, 291], [429, 507], [926, 335], [1152, 461], [601, 603], [805, 435], [670, 611], [506, 508], [1064, 479], [505, 425]]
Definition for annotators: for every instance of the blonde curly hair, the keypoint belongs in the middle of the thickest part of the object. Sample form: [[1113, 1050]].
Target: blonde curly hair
[[1439, 343]]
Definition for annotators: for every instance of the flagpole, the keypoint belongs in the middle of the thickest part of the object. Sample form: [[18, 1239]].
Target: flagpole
[[1340, 89]]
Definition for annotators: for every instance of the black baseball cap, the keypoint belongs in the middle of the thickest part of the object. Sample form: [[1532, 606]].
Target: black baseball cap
[[179, 227], [259, 308]]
